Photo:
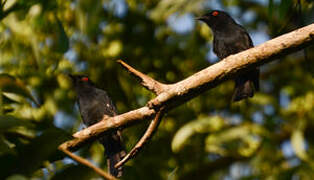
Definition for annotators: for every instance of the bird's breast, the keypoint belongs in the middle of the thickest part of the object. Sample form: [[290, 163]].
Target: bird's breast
[[92, 111], [227, 44]]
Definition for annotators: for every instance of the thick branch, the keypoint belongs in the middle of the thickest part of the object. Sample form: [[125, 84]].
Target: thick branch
[[208, 78], [236, 64], [130, 117]]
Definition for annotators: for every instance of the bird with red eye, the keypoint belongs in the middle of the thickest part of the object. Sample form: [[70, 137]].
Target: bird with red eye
[[85, 79], [215, 13], [231, 38], [94, 104]]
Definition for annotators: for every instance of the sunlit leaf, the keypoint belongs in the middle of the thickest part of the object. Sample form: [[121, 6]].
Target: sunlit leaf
[[17, 177], [7, 100], [202, 125], [167, 7], [243, 140], [173, 174], [298, 141], [11, 84]]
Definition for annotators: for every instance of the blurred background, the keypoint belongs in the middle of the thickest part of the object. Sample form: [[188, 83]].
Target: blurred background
[[267, 137]]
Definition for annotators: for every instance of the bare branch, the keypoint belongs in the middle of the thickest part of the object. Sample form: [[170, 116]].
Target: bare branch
[[206, 79], [87, 163], [146, 81], [146, 137], [82, 137]]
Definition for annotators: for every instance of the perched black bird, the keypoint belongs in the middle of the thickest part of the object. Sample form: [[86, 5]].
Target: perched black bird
[[231, 38], [94, 103]]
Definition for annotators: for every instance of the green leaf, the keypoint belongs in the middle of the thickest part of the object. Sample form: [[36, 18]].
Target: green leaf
[[202, 125], [4, 146], [17, 177], [40, 149], [243, 140], [11, 84], [284, 8], [63, 40], [75, 172], [270, 8], [7, 100], [298, 141], [7, 122]]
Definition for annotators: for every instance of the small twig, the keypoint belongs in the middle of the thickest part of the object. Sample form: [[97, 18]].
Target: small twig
[[87, 163], [16, 6], [148, 82], [145, 138], [3, 3]]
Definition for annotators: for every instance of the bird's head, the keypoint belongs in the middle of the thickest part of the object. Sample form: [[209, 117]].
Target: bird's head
[[216, 19], [80, 80]]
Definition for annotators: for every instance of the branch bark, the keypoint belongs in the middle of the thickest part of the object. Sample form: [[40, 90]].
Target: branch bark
[[176, 94], [88, 164], [146, 81], [152, 128]]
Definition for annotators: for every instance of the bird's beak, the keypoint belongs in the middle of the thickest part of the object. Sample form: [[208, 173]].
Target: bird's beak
[[200, 18], [70, 76]]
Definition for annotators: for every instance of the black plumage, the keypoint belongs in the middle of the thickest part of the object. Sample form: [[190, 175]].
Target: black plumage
[[231, 38], [94, 104]]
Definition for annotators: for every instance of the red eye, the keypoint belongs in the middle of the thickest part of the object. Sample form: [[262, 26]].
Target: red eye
[[215, 13], [84, 79]]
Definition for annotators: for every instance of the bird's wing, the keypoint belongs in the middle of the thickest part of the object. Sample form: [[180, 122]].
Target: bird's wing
[[244, 42], [226, 44], [109, 108]]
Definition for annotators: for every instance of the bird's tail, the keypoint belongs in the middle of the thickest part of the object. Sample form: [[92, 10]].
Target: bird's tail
[[245, 85], [114, 152], [242, 91]]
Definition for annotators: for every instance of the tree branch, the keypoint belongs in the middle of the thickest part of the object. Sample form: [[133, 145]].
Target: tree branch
[[82, 137], [87, 163], [146, 137], [181, 92], [5, 13], [146, 81]]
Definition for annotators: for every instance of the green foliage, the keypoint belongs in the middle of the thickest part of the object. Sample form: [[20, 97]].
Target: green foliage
[[74, 172], [268, 136], [12, 85]]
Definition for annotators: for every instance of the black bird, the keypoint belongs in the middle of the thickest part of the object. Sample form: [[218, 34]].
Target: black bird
[[231, 38], [94, 103]]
